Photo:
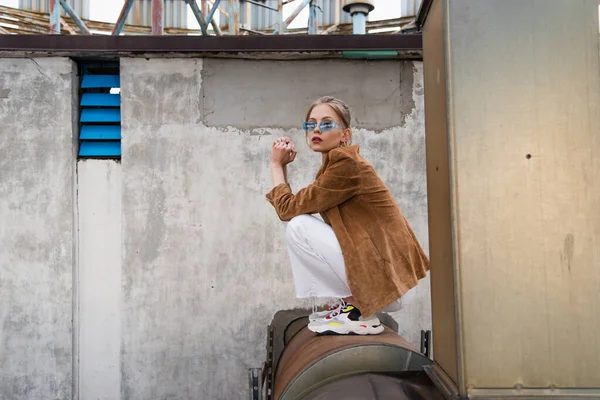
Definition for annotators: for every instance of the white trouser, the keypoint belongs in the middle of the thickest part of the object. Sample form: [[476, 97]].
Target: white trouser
[[317, 261]]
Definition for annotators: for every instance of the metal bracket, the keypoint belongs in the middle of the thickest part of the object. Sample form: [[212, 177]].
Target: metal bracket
[[255, 386], [426, 343], [268, 368]]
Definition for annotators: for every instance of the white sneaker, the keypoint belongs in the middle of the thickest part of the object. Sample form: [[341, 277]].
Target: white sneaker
[[346, 320], [322, 314]]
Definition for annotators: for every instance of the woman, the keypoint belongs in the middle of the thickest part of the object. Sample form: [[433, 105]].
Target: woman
[[364, 252]]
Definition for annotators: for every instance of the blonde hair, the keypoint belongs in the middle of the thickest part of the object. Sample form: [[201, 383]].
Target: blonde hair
[[339, 107]]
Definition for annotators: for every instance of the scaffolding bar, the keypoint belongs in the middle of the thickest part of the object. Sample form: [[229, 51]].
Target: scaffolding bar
[[262, 5], [67, 27], [297, 11], [54, 17], [283, 25], [223, 12], [337, 9], [157, 17], [127, 4], [280, 23], [211, 14], [231, 21], [312, 18], [199, 16], [84, 29], [234, 17]]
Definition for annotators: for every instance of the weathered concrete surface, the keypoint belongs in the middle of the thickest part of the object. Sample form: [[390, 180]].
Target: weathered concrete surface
[[99, 209], [204, 260], [36, 228], [260, 94], [398, 155]]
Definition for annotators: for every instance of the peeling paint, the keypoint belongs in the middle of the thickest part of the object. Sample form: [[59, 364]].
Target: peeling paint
[[256, 94]]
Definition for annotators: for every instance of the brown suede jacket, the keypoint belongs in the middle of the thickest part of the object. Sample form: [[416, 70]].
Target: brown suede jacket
[[382, 255]]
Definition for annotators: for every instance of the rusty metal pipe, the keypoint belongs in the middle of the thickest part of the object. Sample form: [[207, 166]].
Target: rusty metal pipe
[[301, 362], [54, 17], [127, 4], [75, 17], [199, 16], [157, 17]]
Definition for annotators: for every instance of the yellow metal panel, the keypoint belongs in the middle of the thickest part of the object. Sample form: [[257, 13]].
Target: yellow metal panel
[[525, 118], [438, 193]]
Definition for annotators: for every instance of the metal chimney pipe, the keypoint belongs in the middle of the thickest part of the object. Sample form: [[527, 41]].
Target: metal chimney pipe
[[359, 9]]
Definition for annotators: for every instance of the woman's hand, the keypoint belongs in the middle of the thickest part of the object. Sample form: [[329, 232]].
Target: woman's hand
[[283, 152]]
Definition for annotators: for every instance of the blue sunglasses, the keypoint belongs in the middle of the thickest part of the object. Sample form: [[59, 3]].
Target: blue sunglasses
[[324, 126]]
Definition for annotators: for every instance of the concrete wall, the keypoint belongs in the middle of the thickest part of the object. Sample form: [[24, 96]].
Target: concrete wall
[[99, 210], [181, 260], [204, 261], [36, 228]]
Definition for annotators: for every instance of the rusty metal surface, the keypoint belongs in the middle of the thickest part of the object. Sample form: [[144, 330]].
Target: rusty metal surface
[[444, 301], [402, 386], [54, 17], [310, 358], [183, 44], [157, 17]]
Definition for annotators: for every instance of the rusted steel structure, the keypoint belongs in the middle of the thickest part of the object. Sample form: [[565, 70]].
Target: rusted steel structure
[[235, 18]]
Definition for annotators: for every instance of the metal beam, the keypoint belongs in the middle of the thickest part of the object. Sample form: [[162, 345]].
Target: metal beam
[[199, 17], [75, 17], [127, 4], [73, 45], [54, 17], [157, 17]]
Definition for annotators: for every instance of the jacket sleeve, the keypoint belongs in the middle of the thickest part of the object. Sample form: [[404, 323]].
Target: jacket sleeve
[[338, 183]]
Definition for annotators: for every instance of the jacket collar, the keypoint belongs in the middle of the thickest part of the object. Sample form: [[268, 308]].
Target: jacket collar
[[353, 149]]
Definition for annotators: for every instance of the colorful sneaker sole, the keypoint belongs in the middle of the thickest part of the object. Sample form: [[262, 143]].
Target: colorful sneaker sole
[[356, 328]]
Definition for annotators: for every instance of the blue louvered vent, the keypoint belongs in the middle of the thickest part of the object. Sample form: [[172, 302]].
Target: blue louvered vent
[[100, 118]]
